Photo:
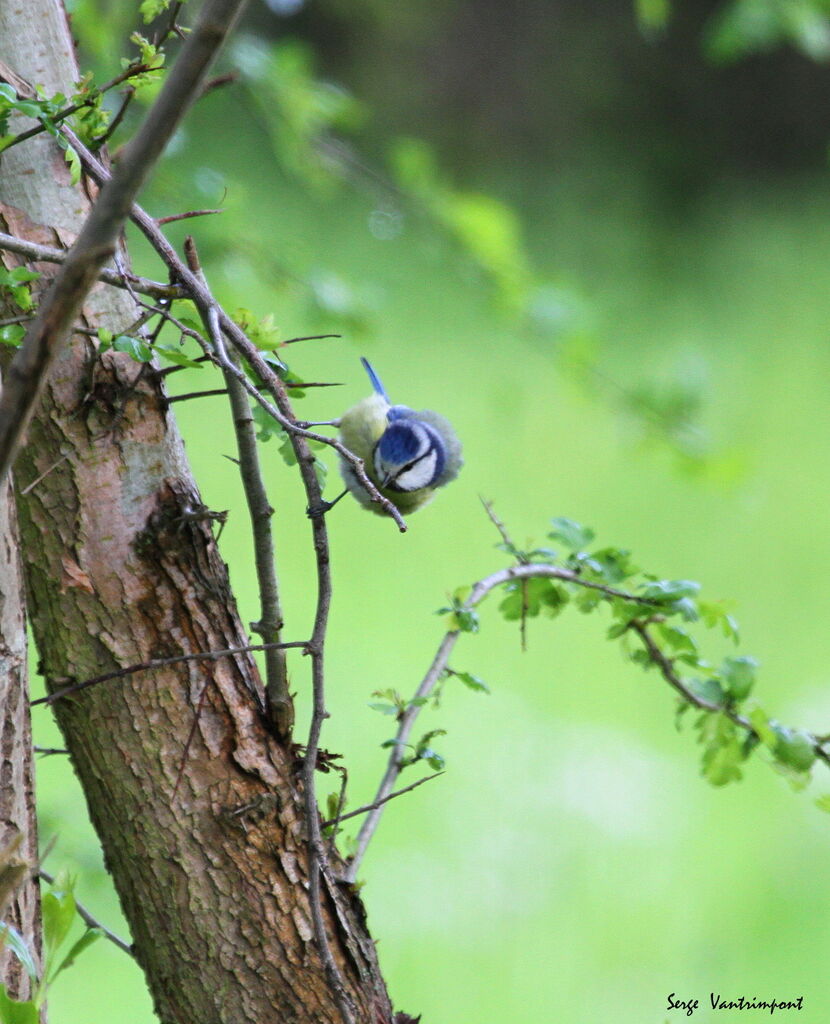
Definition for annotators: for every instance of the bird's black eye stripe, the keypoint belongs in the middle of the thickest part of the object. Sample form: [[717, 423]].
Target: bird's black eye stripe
[[414, 463]]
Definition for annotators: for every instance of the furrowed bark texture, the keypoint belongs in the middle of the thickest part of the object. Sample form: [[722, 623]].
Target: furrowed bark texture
[[17, 808], [198, 809]]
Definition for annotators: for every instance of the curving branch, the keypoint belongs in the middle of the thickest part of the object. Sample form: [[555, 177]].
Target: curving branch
[[440, 662]]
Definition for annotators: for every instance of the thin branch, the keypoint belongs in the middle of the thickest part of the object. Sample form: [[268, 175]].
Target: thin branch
[[377, 803], [46, 254], [97, 240], [146, 666], [195, 394], [269, 626], [666, 668], [49, 751], [44, 474], [112, 127], [92, 922], [185, 216], [499, 525], [309, 337]]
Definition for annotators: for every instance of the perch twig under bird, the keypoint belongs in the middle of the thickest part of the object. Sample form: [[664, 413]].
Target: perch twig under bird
[[407, 453]]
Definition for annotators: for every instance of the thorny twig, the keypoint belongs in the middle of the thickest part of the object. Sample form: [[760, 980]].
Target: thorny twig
[[377, 803]]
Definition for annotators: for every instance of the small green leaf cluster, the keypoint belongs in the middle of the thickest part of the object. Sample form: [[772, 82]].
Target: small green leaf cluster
[[421, 751], [42, 109], [149, 66], [14, 287], [392, 703], [460, 617], [59, 913], [151, 9]]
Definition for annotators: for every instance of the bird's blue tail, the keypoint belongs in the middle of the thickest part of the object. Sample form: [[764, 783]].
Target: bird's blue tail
[[373, 377]]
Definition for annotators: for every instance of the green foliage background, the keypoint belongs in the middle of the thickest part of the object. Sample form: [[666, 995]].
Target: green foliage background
[[672, 393]]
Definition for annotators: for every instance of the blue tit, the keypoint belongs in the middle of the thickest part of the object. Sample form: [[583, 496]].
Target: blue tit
[[406, 454]]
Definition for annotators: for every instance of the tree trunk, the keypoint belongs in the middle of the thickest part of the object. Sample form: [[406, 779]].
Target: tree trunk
[[19, 902], [198, 809]]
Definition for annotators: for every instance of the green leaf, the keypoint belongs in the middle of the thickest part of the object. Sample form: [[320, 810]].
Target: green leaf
[[22, 275], [29, 108], [13, 1012], [58, 910], [823, 802], [151, 9], [90, 935], [472, 682], [677, 639], [74, 163], [572, 534], [171, 354], [384, 709], [707, 689], [795, 748], [8, 92], [721, 764], [716, 613], [11, 937], [739, 676], [762, 726], [134, 347], [670, 590], [12, 334], [611, 565]]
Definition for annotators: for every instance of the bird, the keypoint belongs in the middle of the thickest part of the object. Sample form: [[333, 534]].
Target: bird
[[407, 454]]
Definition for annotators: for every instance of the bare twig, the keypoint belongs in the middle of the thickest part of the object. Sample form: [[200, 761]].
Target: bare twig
[[377, 803], [146, 666], [96, 242], [499, 525], [185, 216], [49, 751], [170, 399], [269, 626], [45, 473], [309, 337], [92, 922], [46, 254]]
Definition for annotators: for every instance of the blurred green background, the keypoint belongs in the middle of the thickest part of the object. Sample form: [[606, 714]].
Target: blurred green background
[[660, 372]]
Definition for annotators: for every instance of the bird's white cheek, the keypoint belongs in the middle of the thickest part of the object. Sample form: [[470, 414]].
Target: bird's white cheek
[[420, 475]]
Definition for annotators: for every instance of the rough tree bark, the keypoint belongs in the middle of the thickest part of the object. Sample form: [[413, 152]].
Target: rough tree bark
[[19, 903], [198, 809]]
